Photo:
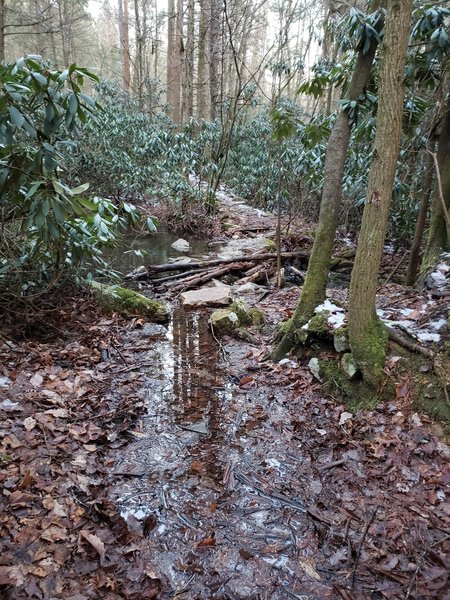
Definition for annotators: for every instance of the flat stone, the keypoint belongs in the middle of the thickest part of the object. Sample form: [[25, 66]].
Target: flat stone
[[181, 245], [153, 330], [247, 288], [207, 296]]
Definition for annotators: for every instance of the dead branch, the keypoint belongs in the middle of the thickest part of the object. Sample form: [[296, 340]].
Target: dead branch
[[153, 269], [401, 339]]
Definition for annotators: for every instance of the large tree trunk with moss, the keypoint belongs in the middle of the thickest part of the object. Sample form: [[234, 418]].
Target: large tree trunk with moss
[[367, 336], [437, 238], [315, 285]]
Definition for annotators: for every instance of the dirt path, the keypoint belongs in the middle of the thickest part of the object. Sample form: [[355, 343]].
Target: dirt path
[[142, 461]]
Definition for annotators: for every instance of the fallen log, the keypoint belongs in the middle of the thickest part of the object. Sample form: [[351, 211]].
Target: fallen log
[[213, 274], [407, 343], [246, 258]]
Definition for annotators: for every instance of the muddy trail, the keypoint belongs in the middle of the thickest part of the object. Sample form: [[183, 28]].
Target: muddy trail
[[248, 482], [152, 461]]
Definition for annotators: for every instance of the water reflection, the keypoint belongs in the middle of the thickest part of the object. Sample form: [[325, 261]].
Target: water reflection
[[157, 249]]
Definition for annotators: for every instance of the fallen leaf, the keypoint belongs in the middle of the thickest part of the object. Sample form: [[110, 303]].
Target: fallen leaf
[[29, 423], [95, 542]]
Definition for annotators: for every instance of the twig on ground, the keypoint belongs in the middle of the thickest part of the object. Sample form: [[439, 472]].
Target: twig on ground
[[361, 543], [419, 564]]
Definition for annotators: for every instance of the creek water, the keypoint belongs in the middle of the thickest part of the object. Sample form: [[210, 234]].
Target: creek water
[[156, 249], [198, 463]]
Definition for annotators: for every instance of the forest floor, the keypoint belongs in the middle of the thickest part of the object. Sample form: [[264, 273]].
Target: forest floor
[[140, 461]]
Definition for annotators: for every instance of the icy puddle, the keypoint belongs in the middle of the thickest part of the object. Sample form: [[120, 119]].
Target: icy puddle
[[208, 477]]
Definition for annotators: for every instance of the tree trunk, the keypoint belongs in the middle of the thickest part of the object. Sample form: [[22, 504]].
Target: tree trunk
[[367, 335], [314, 288], [124, 43], [437, 237], [214, 55], [202, 76], [139, 60], [2, 30], [126, 48], [188, 79], [413, 264], [179, 63], [171, 56]]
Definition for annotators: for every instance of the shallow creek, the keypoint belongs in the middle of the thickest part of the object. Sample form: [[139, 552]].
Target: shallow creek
[[210, 469]]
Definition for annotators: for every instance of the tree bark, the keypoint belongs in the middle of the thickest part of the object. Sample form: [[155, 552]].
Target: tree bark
[[2, 30], [437, 238], [188, 80], [139, 60], [413, 264], [214, 55], [314, 288], [202, 76], [367, 336], [171, 33]]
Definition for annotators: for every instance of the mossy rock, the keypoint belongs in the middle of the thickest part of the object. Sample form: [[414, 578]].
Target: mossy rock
[[129, 303], [354, 393], [224, 320], [242, 311], [349, 366], [271, 245], [257, 316], [234, 319], [340, 339], [318, 324]]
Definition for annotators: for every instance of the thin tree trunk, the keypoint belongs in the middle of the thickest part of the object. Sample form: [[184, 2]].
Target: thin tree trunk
[[2, 30], [413, 264], [171, 41], [139, 60], [437, 238], [314, 288], [367, 335], [179, 63], [126, 47], [214, 55], [202, 76], [188, 80]]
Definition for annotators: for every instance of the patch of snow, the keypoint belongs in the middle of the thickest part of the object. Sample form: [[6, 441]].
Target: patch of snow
[[406, 311], [438, 277], [336, 320], [440, 495], [5, 381], [328, 305], [7, 404], [288, 361], [427, 336], [439, 324]]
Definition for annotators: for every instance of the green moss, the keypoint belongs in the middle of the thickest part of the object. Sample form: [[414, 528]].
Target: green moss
[[242, 311], [227, 226], [369, 351], [284, 328], [257, 317], [318, 324], [129, 303], [271, 245], [224, 320], [356, 394]]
